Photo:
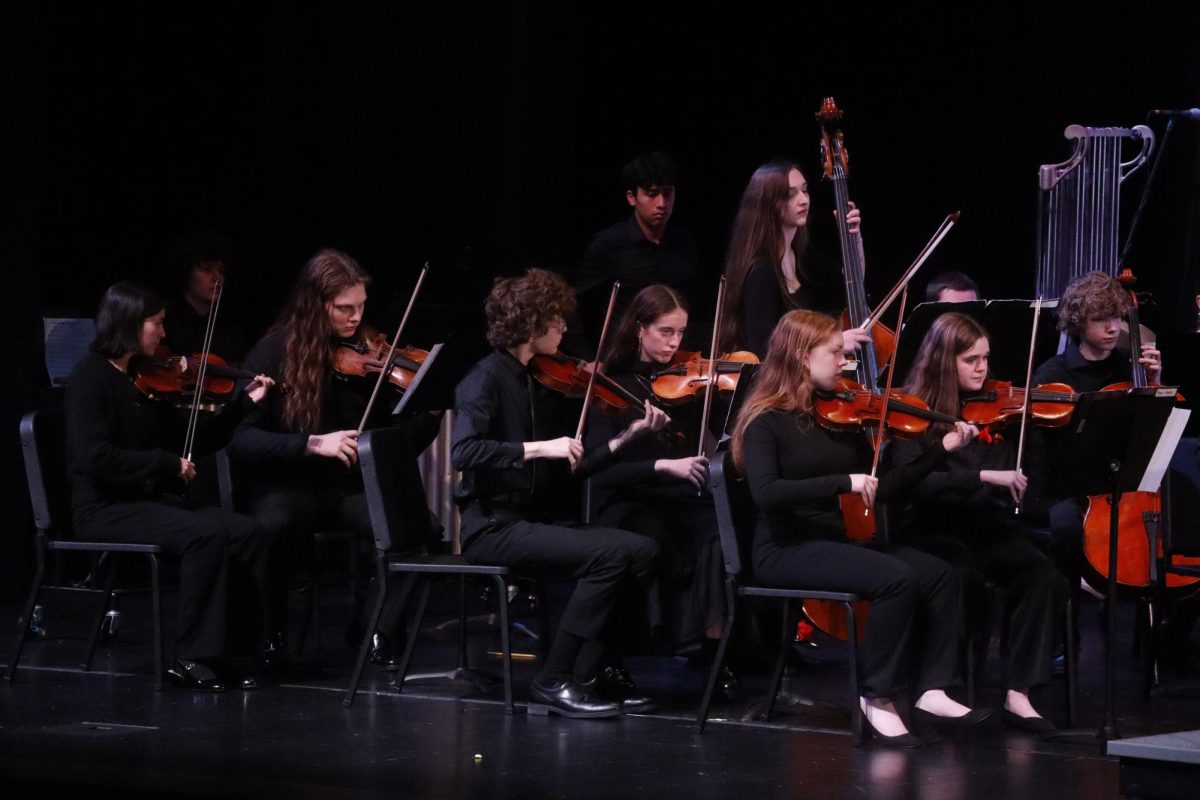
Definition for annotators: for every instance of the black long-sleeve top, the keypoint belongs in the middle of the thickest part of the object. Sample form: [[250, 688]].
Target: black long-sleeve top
[[1071, 368], [497, 408], [633, 477], [763, 303], [123, 446], [953, 497], [276, 451], [795, 470]]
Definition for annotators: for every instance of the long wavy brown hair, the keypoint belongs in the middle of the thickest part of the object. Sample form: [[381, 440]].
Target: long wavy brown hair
[[933, 377], [758, 236], [304, 322], [783, 382], [649, 304]]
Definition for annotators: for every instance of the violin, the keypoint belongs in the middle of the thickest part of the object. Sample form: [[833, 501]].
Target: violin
[[364, 358], [688, 375], [999, 402], [570, 377], [851, 406], [170, 376]]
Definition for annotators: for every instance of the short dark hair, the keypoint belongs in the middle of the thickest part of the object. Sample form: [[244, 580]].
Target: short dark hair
[[123, 309], [649, 169], [958, 281], [199, 247], [521, 309]]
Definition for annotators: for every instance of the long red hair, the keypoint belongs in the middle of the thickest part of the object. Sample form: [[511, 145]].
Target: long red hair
[[783, 382]]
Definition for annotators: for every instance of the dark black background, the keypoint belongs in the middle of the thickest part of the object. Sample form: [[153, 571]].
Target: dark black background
[[488, 136]]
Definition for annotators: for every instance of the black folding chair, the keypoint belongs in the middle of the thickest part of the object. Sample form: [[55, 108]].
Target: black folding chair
[[736, 518], [404, 539], [43, 445]]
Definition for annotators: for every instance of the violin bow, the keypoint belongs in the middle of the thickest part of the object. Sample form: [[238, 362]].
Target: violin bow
[[587, 396], [909, 273], [712, 367], [887, 393], [189, 439], [1037, 311], [387, 362]]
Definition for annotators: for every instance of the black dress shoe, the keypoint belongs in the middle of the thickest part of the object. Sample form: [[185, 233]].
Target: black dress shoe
[[967, 720], [624, 694], [196, 676], [729, 684], [615, 683], [568, 699], [384, 654], [273, 653], [1035, 725]]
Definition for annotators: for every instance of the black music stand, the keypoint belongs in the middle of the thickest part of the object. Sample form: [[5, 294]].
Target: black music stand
[[432, 387], [1107, 449]]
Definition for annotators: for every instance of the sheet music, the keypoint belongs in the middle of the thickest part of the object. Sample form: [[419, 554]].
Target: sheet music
[[1167, 443]]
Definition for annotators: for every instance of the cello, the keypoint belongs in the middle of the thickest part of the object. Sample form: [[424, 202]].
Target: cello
[[1139, 512]]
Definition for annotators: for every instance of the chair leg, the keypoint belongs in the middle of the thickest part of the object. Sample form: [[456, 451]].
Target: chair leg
[[156, 606], [971, 671], [365, 648], [505, 643], [1069, 663], [856, 721], [784, 645], [27, 612], [719, 660], [462, 620], [411, 643], [109, 580]]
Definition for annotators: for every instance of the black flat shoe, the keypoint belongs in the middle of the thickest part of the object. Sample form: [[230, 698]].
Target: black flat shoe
[[273, 654], [967, 720], [568, 699], [906, 740], [195, 676], [1036, 725]]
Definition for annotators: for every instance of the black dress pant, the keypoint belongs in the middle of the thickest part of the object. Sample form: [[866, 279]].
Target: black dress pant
[[203, 540], [605, 562], [1034, 593], [916, 605], [688, 594], [292, 515]]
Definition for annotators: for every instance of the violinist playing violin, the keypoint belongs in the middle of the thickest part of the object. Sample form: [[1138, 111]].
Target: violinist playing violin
[[796, 469], [127, 472], [962, 512], [196, 264], [517, 467], [298, 453], [655, 488]]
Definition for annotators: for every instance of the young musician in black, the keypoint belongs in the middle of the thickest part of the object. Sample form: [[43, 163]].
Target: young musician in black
[[770, 268], [658, 488], [128, 477], [796, 469], [962, 512], [297, 455], [509, 445]]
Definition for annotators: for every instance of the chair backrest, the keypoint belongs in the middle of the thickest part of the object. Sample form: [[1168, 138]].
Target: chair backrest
[[44, 447], [225, 479], [400, 519], [736, 514], [1183, 499]]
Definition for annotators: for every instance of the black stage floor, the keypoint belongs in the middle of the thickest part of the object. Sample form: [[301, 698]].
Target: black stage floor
[[110, 733]]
